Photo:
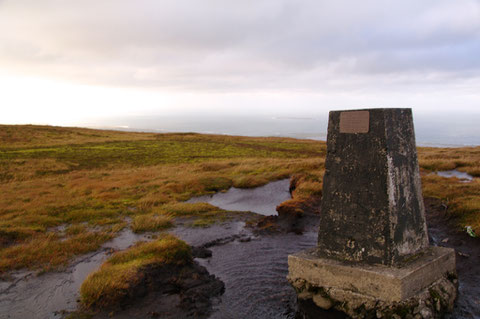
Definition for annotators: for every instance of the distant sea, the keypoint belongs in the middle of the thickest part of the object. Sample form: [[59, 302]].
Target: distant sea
[[434, 130]]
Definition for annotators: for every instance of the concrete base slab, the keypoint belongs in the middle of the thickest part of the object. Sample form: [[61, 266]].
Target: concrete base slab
[[426, 277]]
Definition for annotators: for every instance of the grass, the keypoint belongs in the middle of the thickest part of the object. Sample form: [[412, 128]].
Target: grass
[[180, 209], [123, 271], [58, 184], [49, 251], [204, 214], [14, 136], [462, 199], [150, 222], [306, 189], [466, 159]]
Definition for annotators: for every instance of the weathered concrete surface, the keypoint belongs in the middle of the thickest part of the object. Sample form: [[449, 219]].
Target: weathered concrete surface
[[424, 287], [372, 258], [372, 205], [373, 281]]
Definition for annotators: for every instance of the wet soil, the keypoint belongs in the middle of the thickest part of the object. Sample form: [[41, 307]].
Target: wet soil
[[169, 292], [31, 295], [443, 232]]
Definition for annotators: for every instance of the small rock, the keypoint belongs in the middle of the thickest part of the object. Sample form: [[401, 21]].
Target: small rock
[[201, 252], [298, 284], [445, 240], [379, 314], [463, 254], [426, 313], [438, 306], [305, 295], [322, 302]]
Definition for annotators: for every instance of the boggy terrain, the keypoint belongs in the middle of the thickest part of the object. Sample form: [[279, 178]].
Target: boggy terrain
[[66, 191]]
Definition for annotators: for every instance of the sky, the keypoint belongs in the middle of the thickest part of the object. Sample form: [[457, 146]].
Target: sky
[[65, 62]]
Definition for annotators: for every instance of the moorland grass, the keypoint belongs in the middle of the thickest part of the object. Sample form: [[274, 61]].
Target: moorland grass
[[14, 136], [465, 159], [150, 223], [205, 214], [462, 199], [49, 251], [119, 275], [101, 179], [93, 181]]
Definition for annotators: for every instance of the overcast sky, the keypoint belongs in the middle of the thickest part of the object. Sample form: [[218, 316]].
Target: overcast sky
[[62, 61]]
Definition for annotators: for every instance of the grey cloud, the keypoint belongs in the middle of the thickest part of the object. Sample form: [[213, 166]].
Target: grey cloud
[[236, 45]]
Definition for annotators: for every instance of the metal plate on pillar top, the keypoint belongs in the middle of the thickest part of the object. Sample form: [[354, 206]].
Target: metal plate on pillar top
[[354, 122]]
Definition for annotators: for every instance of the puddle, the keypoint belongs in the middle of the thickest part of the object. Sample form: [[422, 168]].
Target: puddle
[[462, 176], [254, 274], [254, 271], [261, 200], [31, 296], [201, 236]]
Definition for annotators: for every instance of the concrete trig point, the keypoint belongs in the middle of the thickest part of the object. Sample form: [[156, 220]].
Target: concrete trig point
[[373, 256]]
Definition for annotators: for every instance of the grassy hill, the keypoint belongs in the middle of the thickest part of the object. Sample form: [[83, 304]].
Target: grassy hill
[[65, 191]]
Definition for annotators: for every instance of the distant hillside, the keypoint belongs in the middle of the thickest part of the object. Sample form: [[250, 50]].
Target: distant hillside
[[42, 135]]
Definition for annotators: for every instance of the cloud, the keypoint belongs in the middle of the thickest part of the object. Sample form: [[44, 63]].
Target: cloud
[[217, 45]]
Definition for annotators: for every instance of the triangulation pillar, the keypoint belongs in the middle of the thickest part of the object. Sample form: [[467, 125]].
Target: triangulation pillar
[[373, 256]]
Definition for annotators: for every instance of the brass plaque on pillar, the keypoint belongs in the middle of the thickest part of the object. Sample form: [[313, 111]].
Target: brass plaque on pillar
[[354, 122]]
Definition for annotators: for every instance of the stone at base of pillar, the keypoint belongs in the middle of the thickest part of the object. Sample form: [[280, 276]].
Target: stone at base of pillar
[[424, 287]]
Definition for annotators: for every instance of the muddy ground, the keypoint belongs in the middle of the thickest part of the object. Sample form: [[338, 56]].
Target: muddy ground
[[170, 292], [251, 261], [443, 232], [241, 265]]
